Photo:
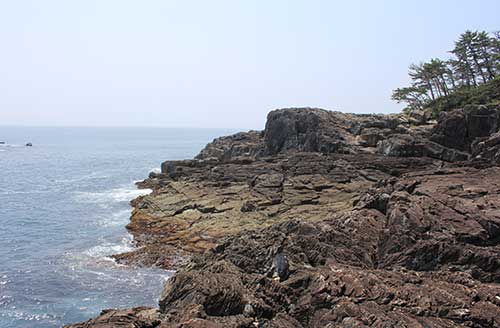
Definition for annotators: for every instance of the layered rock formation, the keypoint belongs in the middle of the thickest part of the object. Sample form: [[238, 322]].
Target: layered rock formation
[[327, 219]]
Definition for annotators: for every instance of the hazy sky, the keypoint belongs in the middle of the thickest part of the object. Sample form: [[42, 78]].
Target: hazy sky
[[215, 63]]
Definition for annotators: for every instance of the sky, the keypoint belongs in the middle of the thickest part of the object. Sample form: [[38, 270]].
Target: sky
[[217, 63]]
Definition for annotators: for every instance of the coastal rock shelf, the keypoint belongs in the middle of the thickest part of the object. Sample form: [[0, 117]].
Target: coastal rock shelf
[[326, 219]]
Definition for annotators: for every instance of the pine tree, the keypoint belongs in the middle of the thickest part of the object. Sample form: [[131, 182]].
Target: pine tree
[[476, 60]]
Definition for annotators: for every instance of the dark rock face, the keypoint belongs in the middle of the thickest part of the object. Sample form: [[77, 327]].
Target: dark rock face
[[280, 267], [481, 121], [309, 130], [248, 144], [327, 220], [451, 130], [459, 128], [319, 130]]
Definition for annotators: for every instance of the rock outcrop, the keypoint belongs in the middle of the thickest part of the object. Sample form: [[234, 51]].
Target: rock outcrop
[[140, 317], [459, 128], [207, 200], [327, 219]]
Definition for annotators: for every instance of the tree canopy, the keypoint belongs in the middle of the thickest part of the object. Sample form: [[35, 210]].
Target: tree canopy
[[474, 60]]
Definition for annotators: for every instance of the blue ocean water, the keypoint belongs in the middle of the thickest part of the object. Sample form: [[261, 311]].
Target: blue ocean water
[[63, 210]]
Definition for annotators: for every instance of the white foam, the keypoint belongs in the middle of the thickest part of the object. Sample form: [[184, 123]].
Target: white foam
[[116, 219], [14, 192], [123, 194], [105, 250], [20, 315]]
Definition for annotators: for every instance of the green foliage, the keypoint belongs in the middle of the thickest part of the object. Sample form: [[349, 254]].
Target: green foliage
[[487, 93], [444, 84]]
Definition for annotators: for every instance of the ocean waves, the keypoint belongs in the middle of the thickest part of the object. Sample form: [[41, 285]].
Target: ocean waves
[[122, 194]]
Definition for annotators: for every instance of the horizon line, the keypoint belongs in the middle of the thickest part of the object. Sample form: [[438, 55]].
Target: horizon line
[[123, 126]]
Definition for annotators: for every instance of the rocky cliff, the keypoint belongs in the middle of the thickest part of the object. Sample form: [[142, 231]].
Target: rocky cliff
[[327, 219]]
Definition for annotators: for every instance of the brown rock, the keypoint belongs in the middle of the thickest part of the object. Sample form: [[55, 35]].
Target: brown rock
[[130, 318], [304, 225]]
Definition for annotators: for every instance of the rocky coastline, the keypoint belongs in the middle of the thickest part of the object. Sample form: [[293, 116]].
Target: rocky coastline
[[327, 219]]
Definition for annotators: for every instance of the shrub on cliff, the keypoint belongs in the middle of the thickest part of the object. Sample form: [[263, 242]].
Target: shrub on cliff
[[468, 76], [487, 93]]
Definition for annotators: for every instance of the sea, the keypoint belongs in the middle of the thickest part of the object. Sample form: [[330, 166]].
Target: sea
[[64, 204]]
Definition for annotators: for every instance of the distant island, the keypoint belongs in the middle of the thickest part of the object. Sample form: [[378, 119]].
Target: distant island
[[330, 219]]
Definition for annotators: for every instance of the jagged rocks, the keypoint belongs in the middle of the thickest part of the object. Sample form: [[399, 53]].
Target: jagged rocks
[[204, 201], [318, 130], [248, 144], [487, 149], [451, 130], [459, 128], [410, 146], [304, 129], [309, 225], [369, 137], [419, 117], [430, 261], [140, 317]]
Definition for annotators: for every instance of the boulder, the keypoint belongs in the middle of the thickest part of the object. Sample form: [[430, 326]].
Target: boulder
[[459, 128], [304, 129], [482, 121], [451, 130], [247, 144]]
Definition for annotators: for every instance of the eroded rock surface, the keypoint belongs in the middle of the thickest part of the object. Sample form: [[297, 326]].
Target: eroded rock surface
[[459, 128], [140, 317], [207, 200], [327, 220]]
